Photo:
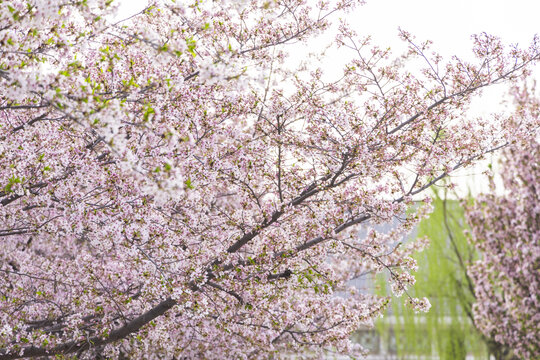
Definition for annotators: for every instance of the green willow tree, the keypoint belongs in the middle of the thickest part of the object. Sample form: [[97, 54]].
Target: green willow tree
[[447, 330]]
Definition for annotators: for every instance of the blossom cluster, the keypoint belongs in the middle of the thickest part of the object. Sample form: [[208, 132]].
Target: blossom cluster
[[506, 230]]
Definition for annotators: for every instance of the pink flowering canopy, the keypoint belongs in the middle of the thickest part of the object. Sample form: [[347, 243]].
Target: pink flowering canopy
[[506, 230], [172, 188]]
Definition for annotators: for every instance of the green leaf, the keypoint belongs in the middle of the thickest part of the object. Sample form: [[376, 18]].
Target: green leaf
[[11, 181], [191, 44], [147, 112]]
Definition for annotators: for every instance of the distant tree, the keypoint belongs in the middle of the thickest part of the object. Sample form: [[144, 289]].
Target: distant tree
[[170, 189], [506, 230]]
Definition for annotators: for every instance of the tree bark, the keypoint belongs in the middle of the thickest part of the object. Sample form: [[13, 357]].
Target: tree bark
[[75, 346]]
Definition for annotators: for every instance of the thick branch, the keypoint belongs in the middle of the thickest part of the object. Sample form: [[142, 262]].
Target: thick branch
[[76, 346]]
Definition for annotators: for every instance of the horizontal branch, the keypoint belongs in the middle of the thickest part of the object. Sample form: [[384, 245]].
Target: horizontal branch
[[76, 346]]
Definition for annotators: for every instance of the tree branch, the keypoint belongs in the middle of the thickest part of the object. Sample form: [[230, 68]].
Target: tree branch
[[76, 346]]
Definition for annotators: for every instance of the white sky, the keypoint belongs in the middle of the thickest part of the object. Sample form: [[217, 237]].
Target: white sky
[[449, 24]]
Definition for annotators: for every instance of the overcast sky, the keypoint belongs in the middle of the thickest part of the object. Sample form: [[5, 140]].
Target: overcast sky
[[450, 23]]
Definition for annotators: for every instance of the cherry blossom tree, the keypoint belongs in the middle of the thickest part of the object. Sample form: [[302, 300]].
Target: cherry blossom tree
[[171, 188], [506, 230]]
